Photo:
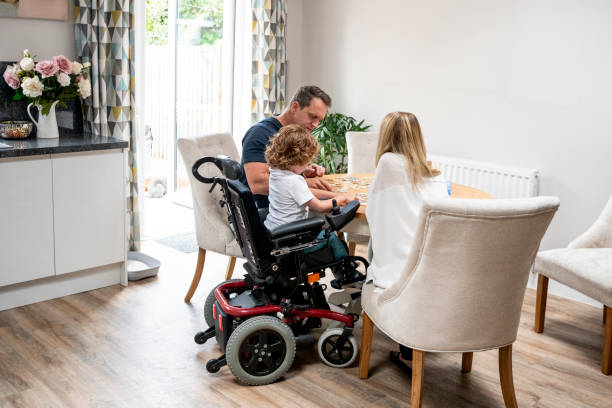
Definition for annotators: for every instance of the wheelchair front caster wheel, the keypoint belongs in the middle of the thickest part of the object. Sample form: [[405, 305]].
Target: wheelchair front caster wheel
[[335, 351], [200, 338], [214, 364]]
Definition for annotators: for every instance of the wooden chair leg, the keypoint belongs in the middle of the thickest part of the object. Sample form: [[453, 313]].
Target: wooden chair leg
[[606, 357], [604, 314], [505, 376], [540, 311], [466, 362], [197, 274], [366, 346], [230, 268], [417, 378], [352, 246]]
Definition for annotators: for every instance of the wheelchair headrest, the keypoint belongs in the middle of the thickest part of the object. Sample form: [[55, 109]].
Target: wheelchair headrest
[[229, 167]]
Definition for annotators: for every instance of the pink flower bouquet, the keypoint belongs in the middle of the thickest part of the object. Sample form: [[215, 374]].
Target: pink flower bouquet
[[45, 82]]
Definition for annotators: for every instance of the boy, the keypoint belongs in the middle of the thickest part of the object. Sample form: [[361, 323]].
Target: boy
[[288, 155]]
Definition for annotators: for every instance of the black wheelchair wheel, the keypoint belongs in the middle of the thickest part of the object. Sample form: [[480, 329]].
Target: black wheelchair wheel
[[260, 350], [210, 301]]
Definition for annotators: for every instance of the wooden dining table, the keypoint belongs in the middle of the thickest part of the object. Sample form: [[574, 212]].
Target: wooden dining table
[[359, 184]]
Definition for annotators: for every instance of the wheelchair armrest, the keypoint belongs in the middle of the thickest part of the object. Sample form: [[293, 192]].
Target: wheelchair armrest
[[263, 213], [347, 213], [312, 224]]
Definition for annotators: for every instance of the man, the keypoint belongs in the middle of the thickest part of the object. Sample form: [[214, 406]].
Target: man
[[306, 109]]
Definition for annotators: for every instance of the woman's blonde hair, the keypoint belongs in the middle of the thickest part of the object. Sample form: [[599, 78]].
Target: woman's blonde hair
[[400, 133], [291, 146]]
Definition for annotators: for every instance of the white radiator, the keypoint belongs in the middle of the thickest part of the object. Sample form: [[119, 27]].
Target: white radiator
[[497, 180]]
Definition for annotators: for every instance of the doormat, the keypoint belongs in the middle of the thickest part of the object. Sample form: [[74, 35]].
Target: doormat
[[185, 242]]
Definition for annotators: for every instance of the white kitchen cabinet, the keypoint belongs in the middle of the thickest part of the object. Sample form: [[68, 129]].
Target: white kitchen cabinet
[[88, 209], [26, 219], [62, 224]]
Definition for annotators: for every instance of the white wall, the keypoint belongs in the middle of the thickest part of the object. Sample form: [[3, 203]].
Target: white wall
[[44, 38], [295, 52], [523, 83]]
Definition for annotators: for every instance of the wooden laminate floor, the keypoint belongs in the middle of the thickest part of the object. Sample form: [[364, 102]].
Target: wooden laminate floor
[[133, 347]]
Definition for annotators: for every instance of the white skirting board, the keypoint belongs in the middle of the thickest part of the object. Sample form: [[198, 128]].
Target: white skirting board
[[62, 285]]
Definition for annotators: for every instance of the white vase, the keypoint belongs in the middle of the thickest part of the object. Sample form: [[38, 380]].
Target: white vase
[[46, 126]]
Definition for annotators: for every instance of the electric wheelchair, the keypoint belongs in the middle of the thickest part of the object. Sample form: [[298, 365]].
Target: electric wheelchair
[[259, 321]]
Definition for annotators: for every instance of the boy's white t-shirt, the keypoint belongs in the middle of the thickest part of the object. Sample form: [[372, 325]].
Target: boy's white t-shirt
[[288, 194]]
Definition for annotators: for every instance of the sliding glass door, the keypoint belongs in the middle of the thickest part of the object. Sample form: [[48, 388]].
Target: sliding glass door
[[189, 75]]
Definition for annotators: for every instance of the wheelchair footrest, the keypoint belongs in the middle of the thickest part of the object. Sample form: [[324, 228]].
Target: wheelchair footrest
[[339, 284]]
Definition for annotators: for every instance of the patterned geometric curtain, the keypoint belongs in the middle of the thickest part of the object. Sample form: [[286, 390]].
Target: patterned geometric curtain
[[104, 34], [269, 59]]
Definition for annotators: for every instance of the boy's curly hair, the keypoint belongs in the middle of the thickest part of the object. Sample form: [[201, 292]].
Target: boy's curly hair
[[291, 146]]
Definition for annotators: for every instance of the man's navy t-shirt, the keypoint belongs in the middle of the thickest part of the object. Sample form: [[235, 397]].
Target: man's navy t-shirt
[[254, 146]]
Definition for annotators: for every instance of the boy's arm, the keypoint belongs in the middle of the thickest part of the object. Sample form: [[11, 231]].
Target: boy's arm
[[323, 206]]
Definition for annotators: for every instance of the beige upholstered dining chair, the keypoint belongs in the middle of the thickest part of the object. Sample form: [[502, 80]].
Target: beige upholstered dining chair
[[586, 266], [361, 148], [212, 229], [463, 284]]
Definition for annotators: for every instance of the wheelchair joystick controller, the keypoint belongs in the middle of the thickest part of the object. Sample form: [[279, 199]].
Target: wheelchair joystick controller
[[335, 208]]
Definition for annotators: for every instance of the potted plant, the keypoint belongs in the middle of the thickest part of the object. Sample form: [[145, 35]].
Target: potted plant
[[331, 135]]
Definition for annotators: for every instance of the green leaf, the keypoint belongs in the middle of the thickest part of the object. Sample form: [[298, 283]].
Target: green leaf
[[331, 135]]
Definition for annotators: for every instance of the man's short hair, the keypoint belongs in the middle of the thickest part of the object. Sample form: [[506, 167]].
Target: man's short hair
[[304, 95]]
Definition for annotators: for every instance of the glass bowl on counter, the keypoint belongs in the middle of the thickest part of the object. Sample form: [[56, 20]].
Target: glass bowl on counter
[[15, 129]]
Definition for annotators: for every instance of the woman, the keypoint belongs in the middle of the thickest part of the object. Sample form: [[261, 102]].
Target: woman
[[403, 179]]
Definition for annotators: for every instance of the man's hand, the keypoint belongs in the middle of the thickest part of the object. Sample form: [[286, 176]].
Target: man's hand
[[314, 170], [318, 183]]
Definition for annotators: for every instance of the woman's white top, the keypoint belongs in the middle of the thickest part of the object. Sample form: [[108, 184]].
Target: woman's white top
[[288, 194], [392, 214]]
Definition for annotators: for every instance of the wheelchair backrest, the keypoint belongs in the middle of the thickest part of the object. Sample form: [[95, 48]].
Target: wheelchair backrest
[[251, 233]]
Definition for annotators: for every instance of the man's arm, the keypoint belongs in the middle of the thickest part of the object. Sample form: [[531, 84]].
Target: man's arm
[[258, 177], [318, 183], [322, 193]]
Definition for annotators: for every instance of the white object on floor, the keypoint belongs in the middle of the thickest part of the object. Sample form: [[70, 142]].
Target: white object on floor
[[140, 266], [136, 266], [157, 187]]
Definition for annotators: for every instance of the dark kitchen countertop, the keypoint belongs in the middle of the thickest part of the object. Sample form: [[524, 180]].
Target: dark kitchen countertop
[[67, 142]]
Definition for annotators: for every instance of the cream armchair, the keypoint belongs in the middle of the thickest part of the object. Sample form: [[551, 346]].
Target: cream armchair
[[463, 284], [361, 149], [212, 229], [586, 266]]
